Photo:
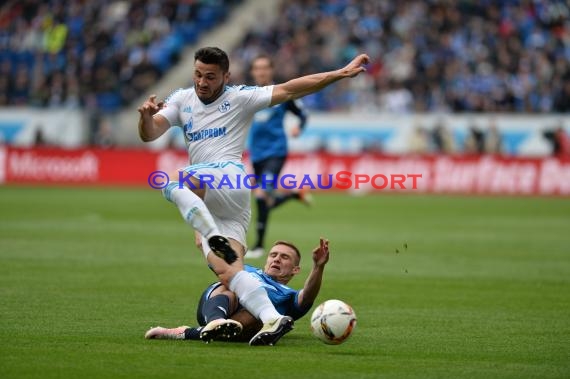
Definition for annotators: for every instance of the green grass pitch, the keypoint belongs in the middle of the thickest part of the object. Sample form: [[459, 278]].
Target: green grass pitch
[[481, 291]]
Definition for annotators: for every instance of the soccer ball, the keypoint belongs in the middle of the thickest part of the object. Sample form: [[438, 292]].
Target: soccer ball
[[333, 322]]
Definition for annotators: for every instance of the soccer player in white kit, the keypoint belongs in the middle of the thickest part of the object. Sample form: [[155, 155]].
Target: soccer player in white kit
[[215, 119]]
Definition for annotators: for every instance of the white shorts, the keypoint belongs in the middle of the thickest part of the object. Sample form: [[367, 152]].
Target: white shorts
[[227, 198]]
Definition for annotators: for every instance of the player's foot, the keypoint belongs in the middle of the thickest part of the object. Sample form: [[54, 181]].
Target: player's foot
[[305, 197], [220, 245], [220, 330], [272, 331], [161, 333], [258, 252]]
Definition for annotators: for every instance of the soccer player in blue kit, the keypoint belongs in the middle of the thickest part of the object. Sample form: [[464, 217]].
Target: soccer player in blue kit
[[217, 302], [268, 151], [215, 118]]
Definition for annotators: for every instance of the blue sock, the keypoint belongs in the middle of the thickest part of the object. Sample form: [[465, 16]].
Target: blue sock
[[216, 307], [192, 333]]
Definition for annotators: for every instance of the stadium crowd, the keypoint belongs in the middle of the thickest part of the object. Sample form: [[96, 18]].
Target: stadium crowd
[[94, 54], [436, 55]]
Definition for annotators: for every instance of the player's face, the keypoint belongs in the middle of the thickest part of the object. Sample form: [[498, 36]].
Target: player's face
[[209, 81], [282, 263], [262, 72]]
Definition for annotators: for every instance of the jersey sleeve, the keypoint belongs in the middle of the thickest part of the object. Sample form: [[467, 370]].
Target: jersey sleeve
[[256, 98], [295, 310], [171, 109]]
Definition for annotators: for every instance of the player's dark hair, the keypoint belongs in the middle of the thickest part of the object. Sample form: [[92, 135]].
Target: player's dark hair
[[262, 56], [292, 246], [213, 55]]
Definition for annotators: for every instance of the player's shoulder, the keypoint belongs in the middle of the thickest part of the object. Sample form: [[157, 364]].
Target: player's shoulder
[[238, 90], [244, 89], [250, 95], [179, 93]]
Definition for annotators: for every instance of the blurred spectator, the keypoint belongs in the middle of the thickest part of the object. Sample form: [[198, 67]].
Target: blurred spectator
[[97, 54], [563, 142], [19, 91], [144, 74], [104, 135], [462, 56], [427, 56], [559, 140], [562, 100], [474, 142], [492, 142], [4, 89], [39, 139], [397, 99], [419, 141], [442, 139]]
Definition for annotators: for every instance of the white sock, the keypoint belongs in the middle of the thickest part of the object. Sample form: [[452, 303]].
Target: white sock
[[194, 211], [253, 296]]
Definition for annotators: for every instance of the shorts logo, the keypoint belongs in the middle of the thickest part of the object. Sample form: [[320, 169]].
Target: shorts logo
[[224, 107]]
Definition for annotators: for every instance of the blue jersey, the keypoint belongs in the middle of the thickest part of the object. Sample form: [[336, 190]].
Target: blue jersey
[[284, 298], [267, 135]]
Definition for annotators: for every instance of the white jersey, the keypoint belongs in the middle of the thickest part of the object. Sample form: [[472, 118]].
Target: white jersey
[[216, 132]]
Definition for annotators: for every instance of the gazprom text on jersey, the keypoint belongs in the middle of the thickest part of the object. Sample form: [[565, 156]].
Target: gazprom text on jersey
[[206, 133]]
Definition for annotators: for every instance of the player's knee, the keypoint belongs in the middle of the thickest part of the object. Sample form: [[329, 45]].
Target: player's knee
[[167, 191], [223, 271], [226, 274], [223, 290], [225, 278]]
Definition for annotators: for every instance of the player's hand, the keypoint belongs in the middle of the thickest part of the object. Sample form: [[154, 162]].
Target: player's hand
[[356, 66], [321, 253], [150, 107], [198, 240], [296, 131]]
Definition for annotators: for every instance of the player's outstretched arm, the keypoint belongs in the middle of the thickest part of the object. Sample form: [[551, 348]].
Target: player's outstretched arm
[[151, 125], [312, 286], [305, 85]]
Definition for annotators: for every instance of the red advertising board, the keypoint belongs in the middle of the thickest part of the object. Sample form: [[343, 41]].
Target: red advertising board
[[83, 166], [369, 172]]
